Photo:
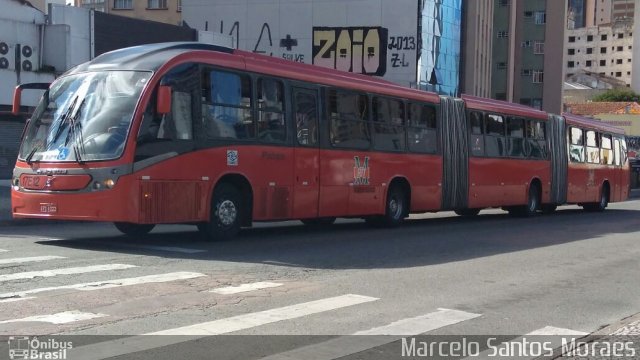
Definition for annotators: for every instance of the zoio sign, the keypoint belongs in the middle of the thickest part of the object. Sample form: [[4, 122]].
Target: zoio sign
[[353, 49]]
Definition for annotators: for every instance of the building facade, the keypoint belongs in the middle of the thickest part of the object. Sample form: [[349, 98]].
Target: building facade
[[165, 11], [478, 38], [527, 48], [604, 50]]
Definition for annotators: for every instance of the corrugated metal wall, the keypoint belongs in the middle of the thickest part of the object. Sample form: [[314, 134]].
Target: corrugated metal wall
[[10, 131]]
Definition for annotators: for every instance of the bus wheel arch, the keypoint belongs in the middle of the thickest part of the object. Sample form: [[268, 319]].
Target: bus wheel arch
[[603, 202], [534, 197], [397, 204], [403, 184]]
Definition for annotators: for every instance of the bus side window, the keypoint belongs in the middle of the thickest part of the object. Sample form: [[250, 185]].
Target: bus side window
[[421, 129], [226, 105], [515, 137], [349, 125], [593, 147], [617, 151], [495, 129], [271, 119], [576, 149], [477, 133], [388, 125], [606, 153], [536, 139]]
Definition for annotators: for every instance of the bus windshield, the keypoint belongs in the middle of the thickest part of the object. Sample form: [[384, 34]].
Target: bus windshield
[[84, 117]]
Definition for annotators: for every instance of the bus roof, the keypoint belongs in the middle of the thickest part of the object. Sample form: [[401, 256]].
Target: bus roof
[[152, 57], [478, 103], [573, 119]]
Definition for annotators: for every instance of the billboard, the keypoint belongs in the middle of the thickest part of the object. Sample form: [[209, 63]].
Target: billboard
[[374, 37]]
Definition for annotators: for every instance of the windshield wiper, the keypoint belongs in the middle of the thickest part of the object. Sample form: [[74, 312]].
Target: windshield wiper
[[76, 132], [63, 119], [30, 156]]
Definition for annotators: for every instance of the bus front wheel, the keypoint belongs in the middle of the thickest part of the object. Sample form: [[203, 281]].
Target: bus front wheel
[[396, 209], [226, 214], [134, 229], [600, 205], [533, 204]]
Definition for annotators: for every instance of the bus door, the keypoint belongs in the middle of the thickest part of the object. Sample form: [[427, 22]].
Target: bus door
[[616, 191], [307, 153]]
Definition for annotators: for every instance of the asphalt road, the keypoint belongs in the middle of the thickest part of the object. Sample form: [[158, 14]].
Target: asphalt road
[[437, 275]]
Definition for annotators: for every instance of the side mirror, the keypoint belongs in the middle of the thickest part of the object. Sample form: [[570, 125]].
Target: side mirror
[[17, 99], [163, 102]]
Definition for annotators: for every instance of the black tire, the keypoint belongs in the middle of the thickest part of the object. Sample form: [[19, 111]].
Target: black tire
[[327, 221], [467, 212], [226, 214], [548, 208], [533, 204], [130, 229], [396, 209], [601, 205]]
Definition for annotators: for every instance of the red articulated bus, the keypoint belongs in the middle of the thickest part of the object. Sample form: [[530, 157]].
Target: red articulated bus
[[186, 133]]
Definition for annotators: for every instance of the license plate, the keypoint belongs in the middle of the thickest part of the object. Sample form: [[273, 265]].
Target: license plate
[[48, 208], [33, 182]]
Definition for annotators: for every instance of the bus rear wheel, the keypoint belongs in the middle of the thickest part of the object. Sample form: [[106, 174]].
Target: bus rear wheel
[[467, 212], [533, 203], [226, 214], [319, 221], [601, 205], [130, 229], [396, 210]]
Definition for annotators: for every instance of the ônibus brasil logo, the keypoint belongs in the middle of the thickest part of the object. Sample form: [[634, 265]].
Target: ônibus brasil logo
[[26, 348], [361, 171]]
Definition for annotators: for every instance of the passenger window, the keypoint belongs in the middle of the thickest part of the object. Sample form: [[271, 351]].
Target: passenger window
[[306, 113], [178, 123], [617, 149], [593, 147], [515, 138], [477, 133], [576, 149], [271, 119], [495, 130], [226, 107], [536, 139], [606, 153], [349, 114], [388, 126], [421, 129]]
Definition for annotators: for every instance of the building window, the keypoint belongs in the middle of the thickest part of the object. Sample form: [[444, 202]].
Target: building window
[[571, 64], [572, 39], [620, 48], [123, 4], [603, 37], [156, 4], [572, 51], [504, 2], [603, 62], [538, 48], [621, 36], [619, 61], [503, 34], [589, 37], [525, 72], [527, 44], [589, 63], [540, 17], [528, 14], [603, 50], [538, 77], [589, 50], [502, 65], [619, 74]]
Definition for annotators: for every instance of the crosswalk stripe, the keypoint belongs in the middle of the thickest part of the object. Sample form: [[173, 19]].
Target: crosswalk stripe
[[29, 259], [349, 345], [554, 331], [59, 318], [3, 250], [230, 290], [65, 271], [106, 284], [217, 327]]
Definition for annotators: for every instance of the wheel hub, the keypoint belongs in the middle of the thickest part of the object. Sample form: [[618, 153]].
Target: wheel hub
[[227, 212]]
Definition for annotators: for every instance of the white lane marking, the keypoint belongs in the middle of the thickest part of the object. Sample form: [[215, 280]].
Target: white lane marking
[[106, 284], [59, 318], [3, 250], [554, 331], [65, 271], [422, 324], [29, 259], [349, 345], [133, 344], [245, 288], [241, 322]]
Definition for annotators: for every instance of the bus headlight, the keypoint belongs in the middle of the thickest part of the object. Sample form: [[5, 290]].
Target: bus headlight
[[109, 183]]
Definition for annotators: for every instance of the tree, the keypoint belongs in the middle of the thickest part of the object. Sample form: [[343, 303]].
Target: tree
[[617, 95]]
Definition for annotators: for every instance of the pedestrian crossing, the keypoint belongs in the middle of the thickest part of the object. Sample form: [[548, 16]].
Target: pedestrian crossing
[[115, 276]]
